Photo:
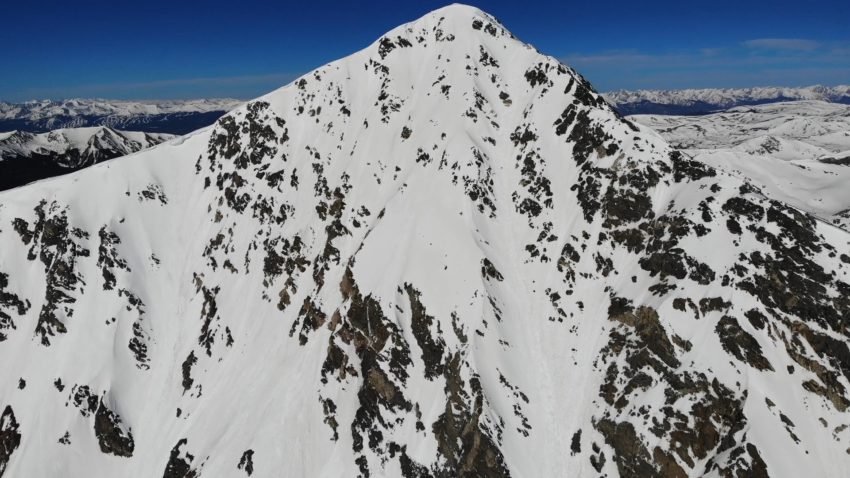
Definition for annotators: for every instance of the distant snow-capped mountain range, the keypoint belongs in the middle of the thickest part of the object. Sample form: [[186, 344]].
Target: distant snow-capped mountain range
[[702, 101], [27, 157], [173, 117], [185, 116]]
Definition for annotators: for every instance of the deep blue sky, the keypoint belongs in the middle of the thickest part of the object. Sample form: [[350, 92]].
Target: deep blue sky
[[171, 49]]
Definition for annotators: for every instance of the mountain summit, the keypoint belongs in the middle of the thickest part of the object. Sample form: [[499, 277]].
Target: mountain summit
[[444, 255]]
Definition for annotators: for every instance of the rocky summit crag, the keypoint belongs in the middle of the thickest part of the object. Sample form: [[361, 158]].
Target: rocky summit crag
[[445, 255]]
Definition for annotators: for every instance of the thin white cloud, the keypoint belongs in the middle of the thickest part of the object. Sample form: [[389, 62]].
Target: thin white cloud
[[757, 62], [782, 44], [283, 78], [244, 86], [618, 58]]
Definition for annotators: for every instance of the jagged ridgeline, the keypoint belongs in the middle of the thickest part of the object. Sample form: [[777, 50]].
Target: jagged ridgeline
[[444, 255], [27, 157]]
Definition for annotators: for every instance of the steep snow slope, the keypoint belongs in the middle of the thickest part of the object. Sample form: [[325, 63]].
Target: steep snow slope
[[796, 152], [444, 255], [702, 101], [26, 157], [175, 117]]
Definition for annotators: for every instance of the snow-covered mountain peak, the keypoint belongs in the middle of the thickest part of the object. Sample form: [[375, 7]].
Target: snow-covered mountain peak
[[444, 255], [455, 11]]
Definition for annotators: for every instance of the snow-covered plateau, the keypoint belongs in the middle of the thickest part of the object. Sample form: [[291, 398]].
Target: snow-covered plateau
[[444, 255]]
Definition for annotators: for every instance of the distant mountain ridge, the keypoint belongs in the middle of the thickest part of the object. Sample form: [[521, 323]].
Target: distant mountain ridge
[[172, 116], [709, 100], [797, 152], [27, 157]]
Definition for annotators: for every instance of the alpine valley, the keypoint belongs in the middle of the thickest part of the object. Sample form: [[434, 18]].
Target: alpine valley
[[445, 255]]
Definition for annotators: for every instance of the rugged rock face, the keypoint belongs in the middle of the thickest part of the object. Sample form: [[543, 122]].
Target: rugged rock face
[[444, 255], [10, 437]]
